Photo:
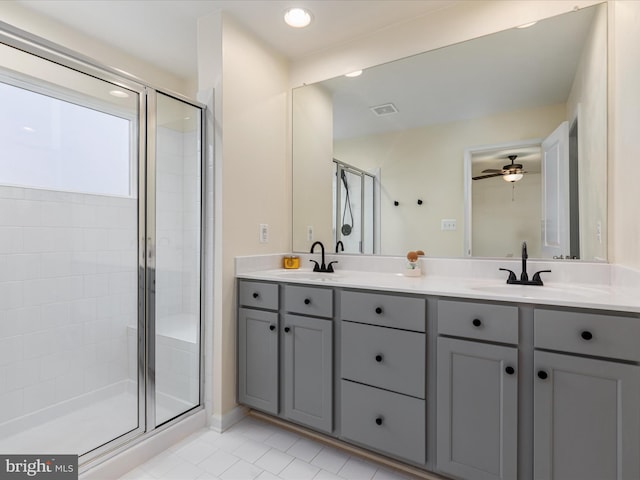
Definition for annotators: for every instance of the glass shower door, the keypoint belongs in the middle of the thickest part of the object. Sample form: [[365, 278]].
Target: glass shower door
[[69, 258], [176, 303]]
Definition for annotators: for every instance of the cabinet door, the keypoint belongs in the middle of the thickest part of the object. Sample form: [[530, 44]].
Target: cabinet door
[[258, 359], [477, 410], [308, 371], [586, 418]]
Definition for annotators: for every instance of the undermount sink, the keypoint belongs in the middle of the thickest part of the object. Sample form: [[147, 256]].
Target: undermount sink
[[308, 275], [534, 291]]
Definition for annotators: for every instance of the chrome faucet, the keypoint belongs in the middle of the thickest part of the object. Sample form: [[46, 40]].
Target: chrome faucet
[[524, 276], [322, 267]]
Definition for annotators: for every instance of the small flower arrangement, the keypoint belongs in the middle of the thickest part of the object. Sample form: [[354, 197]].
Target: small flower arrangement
[[413, 265]]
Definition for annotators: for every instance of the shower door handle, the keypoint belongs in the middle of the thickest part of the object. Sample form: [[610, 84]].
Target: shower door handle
[[150, 250]]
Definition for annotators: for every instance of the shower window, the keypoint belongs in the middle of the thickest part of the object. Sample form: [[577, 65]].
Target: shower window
[[77, 143]]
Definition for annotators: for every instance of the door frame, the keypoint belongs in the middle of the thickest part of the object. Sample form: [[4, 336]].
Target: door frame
[[468, 197]]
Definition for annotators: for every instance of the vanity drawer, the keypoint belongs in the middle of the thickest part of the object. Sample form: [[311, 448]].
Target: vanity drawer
[[386, 421], [258, 294], [598, 334], [395, 311], [384, 357], [480, 321], [309, 300]]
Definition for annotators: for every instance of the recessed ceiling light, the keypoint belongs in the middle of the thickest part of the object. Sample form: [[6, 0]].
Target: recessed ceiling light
[[119, 94], [297, 17], [357, 73], [26, 128], [527, 25]]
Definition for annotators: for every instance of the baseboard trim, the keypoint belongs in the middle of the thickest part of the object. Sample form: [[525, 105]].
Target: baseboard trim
[[346, 447], [220, 423]]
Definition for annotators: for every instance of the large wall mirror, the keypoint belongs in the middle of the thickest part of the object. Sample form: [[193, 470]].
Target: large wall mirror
[[467, 150]]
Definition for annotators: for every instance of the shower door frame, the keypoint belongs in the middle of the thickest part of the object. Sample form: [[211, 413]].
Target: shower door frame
[[49, 51], [340, 167]]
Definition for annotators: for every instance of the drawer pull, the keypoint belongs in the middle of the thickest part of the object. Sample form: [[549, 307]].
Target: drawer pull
[[510, 370], [379, 358], [379, 420], [542, 375], [272, 327], [476, 322], [586, 335], [307, 301], [287, 329], [256, 294], [378, 310]]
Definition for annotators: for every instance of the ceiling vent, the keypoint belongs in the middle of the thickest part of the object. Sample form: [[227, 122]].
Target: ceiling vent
[[386, 109]]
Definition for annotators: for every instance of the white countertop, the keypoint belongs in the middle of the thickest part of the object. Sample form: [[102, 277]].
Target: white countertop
[[589, 295]]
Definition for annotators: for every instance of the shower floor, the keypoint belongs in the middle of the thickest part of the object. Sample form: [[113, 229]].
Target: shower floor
[[79, 430]]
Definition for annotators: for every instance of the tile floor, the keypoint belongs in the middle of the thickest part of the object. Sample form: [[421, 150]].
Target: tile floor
[[255, 449]]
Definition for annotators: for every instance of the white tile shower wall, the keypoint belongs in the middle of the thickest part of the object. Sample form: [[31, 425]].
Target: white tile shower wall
[[177, 272], [68, 268]]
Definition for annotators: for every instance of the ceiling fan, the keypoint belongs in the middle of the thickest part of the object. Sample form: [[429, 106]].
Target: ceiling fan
[[509, 173]]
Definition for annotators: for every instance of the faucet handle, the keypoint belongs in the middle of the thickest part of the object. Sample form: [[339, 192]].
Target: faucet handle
[[512, 276], [536, 277], [330, 266], [316, 268]]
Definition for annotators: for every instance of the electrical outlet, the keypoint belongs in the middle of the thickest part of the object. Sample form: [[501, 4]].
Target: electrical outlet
[[599, 232], [448, 224], [264, 233], [309, 233]]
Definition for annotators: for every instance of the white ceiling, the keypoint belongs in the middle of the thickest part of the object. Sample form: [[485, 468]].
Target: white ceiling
[[163, 32]]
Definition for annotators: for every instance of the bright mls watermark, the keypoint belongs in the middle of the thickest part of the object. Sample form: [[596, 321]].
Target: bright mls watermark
[[49, 467]]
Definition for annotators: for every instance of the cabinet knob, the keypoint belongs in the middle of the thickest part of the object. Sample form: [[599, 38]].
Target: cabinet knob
[[379, 420], [378, 310], [287, 329], [272, 327], [307, 301], [510, 370], [476, 322], [256, 294], [586, 335], [542, 375], [379, 358]]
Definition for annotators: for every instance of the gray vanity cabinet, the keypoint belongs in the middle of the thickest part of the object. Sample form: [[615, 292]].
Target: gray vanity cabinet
[[383, 371], [258, 346], [477, 390], [477, 410], [586, 408], [308, 371]]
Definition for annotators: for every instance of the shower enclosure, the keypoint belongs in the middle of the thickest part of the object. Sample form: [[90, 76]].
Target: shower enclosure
[[354, 222], [100, 254]]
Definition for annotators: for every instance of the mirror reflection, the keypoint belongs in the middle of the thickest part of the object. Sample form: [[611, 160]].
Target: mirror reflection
[[422, 128]]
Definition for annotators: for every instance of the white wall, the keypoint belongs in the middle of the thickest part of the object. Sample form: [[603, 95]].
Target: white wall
[[314, 169], [588, 100], [252, 170], [624, 126], [504, 215], [428, 163]]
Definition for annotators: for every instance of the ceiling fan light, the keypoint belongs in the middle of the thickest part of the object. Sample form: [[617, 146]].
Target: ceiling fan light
[[512, 177]]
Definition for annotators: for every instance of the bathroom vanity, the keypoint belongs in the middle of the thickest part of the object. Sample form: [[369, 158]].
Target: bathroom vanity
[[466, 380]]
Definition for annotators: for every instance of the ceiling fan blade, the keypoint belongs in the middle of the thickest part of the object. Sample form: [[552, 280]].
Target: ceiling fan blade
[[480, 177], [491, 170]]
